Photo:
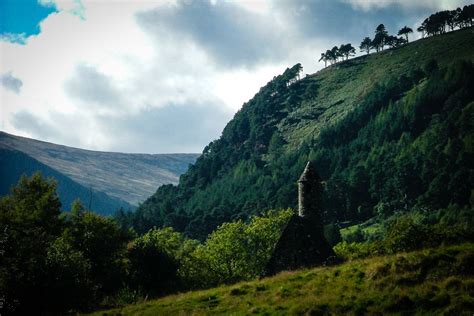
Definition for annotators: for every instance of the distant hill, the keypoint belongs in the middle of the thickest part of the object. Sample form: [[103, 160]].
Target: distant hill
[[388, 131], [14, 164], [123, 177]]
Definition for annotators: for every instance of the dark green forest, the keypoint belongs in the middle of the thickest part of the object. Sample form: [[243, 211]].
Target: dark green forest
[[387, 132]]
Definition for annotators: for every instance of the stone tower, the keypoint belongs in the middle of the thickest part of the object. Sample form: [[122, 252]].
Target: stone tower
[[302, 243], [310, 194]]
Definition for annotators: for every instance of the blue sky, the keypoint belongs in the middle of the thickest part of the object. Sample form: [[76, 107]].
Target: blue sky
[[167, 75], [22, 16]]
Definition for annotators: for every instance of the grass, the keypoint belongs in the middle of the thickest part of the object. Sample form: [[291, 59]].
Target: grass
[[431, 281], [344, 85]]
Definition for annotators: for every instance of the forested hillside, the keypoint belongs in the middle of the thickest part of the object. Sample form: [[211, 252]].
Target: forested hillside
[[388, 131]]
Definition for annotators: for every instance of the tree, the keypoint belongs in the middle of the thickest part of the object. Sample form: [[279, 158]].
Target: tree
[[380, 37], [335, 53], [405, 31], [378, 42], [346, 50], [235, 251], [154, 260], [29, 223], [102, 242], [394, 41], [325, 58], [366, 45]]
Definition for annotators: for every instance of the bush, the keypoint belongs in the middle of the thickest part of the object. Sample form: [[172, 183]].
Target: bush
[[405, 235], [154, 261]]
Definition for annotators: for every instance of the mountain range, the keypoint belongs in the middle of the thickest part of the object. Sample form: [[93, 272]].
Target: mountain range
[[106, 180]]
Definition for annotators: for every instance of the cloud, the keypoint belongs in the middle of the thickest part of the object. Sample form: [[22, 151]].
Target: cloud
[[90, 86], [172, 128], [342, 21], [433, 5], [142, 76], [29, 122], [11, 82], [232, 35]]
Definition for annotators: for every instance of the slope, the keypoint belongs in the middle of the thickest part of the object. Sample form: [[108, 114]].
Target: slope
[[387, 131], [435, 281], [128, 177], [13, 164]]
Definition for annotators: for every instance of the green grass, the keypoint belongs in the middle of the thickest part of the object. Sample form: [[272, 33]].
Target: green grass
[[342, 86], [367, 229], [432, 281]]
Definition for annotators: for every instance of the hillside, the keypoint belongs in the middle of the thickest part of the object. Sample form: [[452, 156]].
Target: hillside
[[14, 164], [127, 177], [432, 281], [388, 131]]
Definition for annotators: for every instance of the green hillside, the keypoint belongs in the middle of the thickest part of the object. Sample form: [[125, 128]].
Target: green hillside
[[389, 131], [432, 281]]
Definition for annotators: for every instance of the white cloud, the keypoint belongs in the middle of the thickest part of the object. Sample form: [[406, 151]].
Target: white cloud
[[98, 76], [82, 76]]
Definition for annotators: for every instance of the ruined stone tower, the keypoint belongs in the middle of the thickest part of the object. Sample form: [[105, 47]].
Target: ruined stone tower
[[302, 243], [310, 194]]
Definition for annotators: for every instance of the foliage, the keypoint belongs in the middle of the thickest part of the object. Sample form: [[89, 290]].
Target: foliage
[[51, 262], [102, 243], [439, 22], [29, 223], [412, 231], [235, 251], [154, 261]]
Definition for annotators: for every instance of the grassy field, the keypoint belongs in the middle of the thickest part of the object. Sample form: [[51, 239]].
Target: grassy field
[[342, 86], [432, 281]]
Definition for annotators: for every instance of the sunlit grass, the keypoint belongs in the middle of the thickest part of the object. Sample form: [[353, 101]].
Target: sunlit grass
[[426, 282]]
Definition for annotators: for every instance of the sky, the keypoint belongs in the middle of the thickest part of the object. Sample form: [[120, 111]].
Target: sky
[[165, 76]]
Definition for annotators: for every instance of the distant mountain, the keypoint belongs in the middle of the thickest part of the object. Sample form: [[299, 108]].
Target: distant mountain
[[124, 177], [14, 164], [389, 131]]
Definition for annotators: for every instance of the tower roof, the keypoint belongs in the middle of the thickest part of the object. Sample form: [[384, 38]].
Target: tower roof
[[309, 173]]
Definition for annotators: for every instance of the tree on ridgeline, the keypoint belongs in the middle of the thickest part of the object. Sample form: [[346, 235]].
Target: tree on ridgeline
[[378, 42], [443, 21], [405, 31], [366, 45], [394, 41], [380, 36], [324, 58], [346, 50], [335, 54]]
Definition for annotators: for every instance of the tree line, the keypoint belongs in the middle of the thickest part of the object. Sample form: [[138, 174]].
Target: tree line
[[64, 263], [437, 23]]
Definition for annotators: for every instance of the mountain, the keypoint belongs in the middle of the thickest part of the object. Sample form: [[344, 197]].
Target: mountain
[[128, 179], [388, 131], [13, 164]]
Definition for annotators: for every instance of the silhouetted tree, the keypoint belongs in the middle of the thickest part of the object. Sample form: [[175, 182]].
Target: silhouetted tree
[[324, 58], [394, 41], [346, 50], [366, 45], [405, 31]]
